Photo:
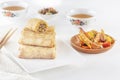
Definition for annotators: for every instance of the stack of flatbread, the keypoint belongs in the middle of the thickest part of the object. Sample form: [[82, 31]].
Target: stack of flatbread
[[37, 40]]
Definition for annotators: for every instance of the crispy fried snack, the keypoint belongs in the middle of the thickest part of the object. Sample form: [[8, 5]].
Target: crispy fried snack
[[46, 39], [87, 41], [94, 40], [97, 38], [35, 52], [37, 25], [102, 37]]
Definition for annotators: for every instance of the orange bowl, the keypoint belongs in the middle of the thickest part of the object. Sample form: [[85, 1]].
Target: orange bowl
[[89, 51]]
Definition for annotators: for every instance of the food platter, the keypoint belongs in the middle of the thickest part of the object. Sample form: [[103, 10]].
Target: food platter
[[65, 56]]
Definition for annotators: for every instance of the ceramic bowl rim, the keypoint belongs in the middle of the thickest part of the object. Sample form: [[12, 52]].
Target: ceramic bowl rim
[[83, 11], [24, 4]]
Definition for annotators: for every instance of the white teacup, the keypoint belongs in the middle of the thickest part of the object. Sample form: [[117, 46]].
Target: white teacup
[[82, 21], [13, 13]]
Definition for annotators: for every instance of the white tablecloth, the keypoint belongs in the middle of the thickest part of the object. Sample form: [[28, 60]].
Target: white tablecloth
[[11, 71]]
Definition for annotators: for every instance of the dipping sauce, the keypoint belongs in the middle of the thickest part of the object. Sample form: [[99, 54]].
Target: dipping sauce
[[13, 8], [81, 16]]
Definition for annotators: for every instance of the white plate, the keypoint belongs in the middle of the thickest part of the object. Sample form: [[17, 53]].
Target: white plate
[[65, 56]]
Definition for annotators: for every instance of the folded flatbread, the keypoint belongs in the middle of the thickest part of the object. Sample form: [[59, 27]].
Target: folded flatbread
[[37, 25], [33, 52], [46, 39]]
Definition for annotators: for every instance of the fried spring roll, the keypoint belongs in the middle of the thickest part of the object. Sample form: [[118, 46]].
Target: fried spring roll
[[46, 39], [33, 52], [37, 25]]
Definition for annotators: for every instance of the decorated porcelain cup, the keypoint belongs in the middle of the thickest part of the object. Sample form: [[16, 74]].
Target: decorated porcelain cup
[[13, 9], [81, 17]]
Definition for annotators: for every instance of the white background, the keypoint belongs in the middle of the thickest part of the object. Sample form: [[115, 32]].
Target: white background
[[105, 66]]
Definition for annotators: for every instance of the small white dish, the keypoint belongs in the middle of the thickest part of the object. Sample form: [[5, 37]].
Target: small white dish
[[13, 13], [65, 56], [48, 16], [81, 21]]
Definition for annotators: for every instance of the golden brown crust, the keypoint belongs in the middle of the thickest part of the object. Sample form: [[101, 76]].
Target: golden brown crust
[[46, 39], [33, 52], [37, 40], [37, 25]]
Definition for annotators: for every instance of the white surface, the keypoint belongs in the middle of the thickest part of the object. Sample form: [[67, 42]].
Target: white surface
[[9, 70], [11, 76], [64, 56], [105, 66]]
